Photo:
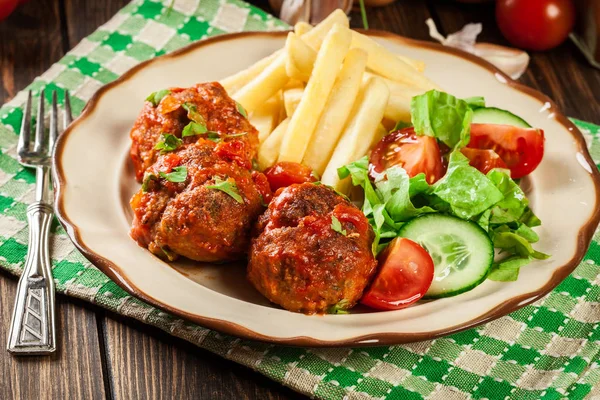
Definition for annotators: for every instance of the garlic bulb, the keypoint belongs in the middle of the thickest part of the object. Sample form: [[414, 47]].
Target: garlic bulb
[[512, 62]]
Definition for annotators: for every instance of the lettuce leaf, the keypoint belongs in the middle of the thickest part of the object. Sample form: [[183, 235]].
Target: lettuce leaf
[[467, 191], [442, 116]]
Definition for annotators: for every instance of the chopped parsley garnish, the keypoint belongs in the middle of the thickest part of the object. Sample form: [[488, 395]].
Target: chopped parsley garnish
[[339, 308], [146, 183], [177, 175], [156, 97], [215, 137], [241, 109], [193, 128], [168, 143], [193, 114], [336, 225], [227, 187], [169, 254]]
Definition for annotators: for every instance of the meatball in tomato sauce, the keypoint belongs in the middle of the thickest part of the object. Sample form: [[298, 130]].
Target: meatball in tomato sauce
[[312, 250], [197, 203], [204, 110]]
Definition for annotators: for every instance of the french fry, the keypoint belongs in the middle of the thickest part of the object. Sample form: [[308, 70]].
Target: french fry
[[314, 37], [264, 86], [398, 108], [266, 117], [399, 88], [305, 118], [235, 82], [361, 129], [386, 64], [416, 64], [300, 58], [302, 28], [269, 150], [337, 111], [291, 99]]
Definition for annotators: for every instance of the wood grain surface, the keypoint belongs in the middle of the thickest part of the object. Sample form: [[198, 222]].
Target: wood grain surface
[[102, 355]]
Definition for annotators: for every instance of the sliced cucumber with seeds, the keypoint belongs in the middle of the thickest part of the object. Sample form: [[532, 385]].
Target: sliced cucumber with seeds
[[462, 252], [493, 115]]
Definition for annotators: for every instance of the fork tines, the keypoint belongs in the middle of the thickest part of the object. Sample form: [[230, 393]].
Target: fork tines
[[44, 144]]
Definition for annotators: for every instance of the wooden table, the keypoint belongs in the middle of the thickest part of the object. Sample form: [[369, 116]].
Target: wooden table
[[111, 357]]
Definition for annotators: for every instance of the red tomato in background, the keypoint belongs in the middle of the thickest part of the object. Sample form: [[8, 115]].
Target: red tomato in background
[[521, 149], [284, 174], [414, 153], [535, 24], [7, 7], [483, 160], [404, 276]]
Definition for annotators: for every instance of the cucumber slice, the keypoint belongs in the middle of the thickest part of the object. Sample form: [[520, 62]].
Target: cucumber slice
[[493, 115], [462, 252]]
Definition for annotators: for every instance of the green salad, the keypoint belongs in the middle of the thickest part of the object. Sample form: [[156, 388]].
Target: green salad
[[475, 225]]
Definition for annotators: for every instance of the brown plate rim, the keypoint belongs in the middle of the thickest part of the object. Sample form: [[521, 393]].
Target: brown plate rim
[[390, 338]]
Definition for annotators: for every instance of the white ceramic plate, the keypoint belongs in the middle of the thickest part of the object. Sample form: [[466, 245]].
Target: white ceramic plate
[[96, 183]]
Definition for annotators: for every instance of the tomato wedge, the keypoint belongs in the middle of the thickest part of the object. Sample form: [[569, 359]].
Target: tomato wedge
[[483, 160], [521, 149], [405, 274], [416, 154], [284, 174]]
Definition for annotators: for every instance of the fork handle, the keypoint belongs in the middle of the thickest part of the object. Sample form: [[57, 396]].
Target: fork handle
[[33, 326]]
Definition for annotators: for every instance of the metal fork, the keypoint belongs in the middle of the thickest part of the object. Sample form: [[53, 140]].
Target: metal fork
[[33, 326]]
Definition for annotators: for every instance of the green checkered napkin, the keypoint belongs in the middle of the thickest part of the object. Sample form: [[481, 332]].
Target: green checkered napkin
[[547, 350]]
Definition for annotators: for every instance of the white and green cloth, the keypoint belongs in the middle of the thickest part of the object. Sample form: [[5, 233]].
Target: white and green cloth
[[547, 350]]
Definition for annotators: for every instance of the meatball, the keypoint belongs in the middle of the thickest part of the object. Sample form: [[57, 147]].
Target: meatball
[[208, 103], [205, 214], [311, 250]]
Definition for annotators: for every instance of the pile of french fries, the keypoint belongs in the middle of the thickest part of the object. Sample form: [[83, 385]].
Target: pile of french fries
[[327, 97]]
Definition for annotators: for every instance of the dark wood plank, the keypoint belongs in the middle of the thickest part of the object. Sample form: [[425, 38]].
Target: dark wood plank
[[34, 26], [74, 372], [147, 363], [85, 16], [405, 17], [562, 73]]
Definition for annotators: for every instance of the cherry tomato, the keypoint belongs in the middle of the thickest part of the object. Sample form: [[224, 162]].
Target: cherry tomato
[[7, 7], [284, 174], [483, 160], [521, 149], [535, 24], [405, 274], [414, 153]]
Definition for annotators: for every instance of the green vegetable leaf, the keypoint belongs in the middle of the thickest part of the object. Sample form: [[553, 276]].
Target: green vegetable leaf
[[395, 192], [336, 225], [442, 116], [340, 308], [168, 143], [228, 187], [178, 175], [156, 97], [148, 179], [194, 128], [475, 102], [467, 191], [241, 109], [514, 203], [516, 244], [401, 125], [507, 270], [193, 114]]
